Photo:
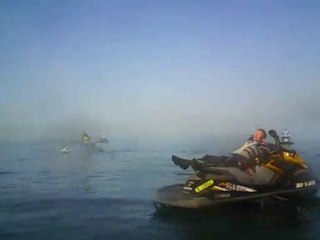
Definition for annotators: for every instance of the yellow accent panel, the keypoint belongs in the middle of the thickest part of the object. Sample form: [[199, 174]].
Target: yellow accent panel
[[292, 158], [274, 168], [204, 186]]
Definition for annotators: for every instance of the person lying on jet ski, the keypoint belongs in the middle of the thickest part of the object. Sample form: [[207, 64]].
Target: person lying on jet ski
[[244, 158]]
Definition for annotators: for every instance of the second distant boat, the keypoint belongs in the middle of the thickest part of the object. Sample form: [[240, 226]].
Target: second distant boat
[[102, 139], [285, 138]]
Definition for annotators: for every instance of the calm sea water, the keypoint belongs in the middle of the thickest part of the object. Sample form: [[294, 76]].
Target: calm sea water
[[46, 194]]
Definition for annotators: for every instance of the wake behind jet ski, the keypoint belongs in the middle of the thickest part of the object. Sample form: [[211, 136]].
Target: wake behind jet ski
[[283, 174]]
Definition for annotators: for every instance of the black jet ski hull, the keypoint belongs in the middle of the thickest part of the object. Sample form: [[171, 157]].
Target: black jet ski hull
[[175, 196]]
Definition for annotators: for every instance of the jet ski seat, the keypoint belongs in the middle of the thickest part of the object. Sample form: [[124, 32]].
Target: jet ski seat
[[261, 176]]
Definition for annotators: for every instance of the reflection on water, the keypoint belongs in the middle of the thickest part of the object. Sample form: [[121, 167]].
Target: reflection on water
[[275, 219]]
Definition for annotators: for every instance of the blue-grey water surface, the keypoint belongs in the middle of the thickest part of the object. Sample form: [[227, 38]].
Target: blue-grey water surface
[[84, 194]]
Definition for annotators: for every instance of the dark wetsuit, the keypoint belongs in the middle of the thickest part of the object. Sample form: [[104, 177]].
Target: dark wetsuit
[[243, 158]]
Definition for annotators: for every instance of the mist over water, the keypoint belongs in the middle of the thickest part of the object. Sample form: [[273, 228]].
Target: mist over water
[[148, 71]]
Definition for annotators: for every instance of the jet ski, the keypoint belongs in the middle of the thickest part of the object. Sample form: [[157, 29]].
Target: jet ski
[[283, 175], [65, 149]]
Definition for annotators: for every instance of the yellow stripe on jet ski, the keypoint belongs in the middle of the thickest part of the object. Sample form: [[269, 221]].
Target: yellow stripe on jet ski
[[204, 186]]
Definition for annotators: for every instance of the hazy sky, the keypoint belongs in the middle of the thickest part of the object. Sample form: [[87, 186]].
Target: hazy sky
[[162, 68]]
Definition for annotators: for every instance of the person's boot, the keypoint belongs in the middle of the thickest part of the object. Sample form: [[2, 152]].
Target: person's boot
[[197, 165], [183, 163]]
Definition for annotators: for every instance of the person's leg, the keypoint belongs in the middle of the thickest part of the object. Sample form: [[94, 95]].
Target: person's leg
[[201, 163], [183, 163], [240, 162], [208, 161], [211, 160]]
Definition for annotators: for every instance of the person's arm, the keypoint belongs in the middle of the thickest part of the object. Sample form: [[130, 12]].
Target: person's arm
[[266, 150]]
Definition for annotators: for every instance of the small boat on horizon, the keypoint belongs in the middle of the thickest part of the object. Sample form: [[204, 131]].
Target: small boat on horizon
[[285, 137], [102, 139], [85, 138]]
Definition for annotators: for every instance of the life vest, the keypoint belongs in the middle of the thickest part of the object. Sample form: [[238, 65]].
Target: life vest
[[249, 150]]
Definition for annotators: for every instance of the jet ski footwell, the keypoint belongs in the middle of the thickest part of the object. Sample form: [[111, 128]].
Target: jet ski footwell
[[175, 196]]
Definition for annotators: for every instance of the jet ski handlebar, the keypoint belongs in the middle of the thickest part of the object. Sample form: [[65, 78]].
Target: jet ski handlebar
[[275, 136]]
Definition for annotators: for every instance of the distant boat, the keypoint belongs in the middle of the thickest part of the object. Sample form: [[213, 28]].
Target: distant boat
[[66, 149], [85, 138], [102, 139], [285, 137]]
